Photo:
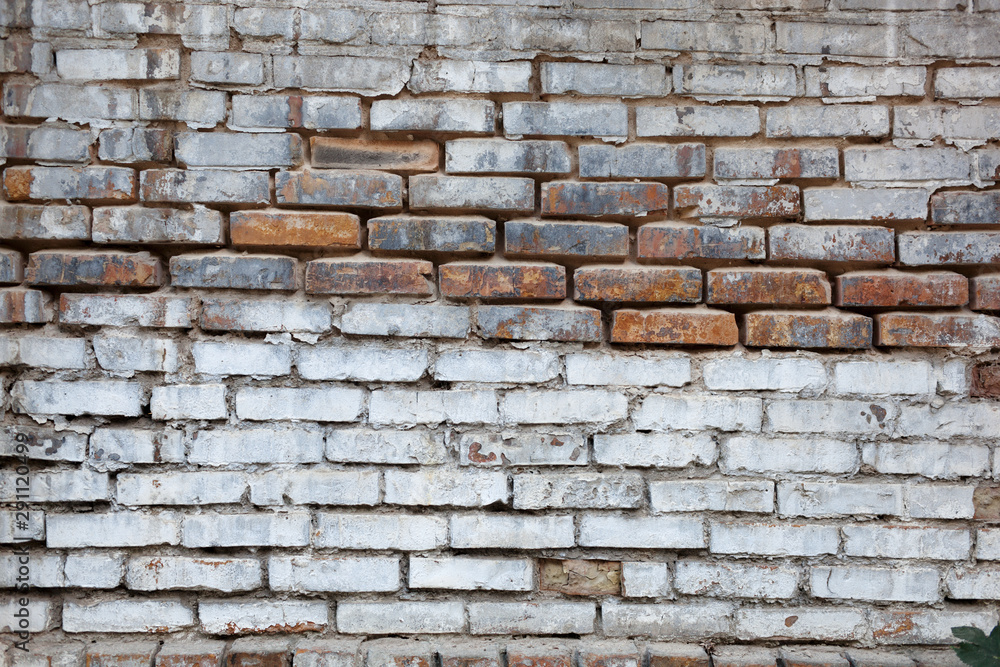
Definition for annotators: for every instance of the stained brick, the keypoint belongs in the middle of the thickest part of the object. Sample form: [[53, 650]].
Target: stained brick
[[458, 235], [681, 284], [965, 208], [331, 230], [671, 240], [675, 326], [495, 193], [243, 314], [93, 269], [546, 239], [434, 115], [889, 289], [864, 204], [565, 119], [935, 248], [502, 281], [314, 112], [986, 383], [703, 121], [677, 655], [363, 189], [824, 329], [540, 323], [767, 286], [639, 80], [767, 163], [31, 222], [405, 156], [44, 143], [580, 577], [642, 161], [11, 267], [866, 120], [120, 310], [368, 276], [83, 183], [986, 292], [724, 82], [736, 201], [238, 150], [255, 272], [937, 330], [832, 243], [500, 156], [157, 225], [207, 186], [603, 199], [197, 108]]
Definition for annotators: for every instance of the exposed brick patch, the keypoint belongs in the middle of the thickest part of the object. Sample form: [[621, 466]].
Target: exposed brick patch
[[674, 327]]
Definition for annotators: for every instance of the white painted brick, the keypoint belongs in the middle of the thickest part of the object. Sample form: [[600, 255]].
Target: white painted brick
[[761, 454], [734, 82], [391, 618], [735, 374], [978, 584], [828, 417], [740, 580], [157, 573], [180, 488], [119, 529], [59, 353], [951, 420], [712, 495], [639, 370], [94, 570], [497, 531], [906, 541], [406, 408], [639, 80], [463, 488], [324, 404], [315, 487], [584, 490], [936, 501], [936, 460], [218, 67], [381, 531], [879, 378], [241, 358], [469, 76], [367, 446], [770, 539], [656, 450], [127, 616], [341, 574], [227, 617], [953, 377], [966, 82], [911, 584], [906, 165], [641, 532], [34, 569], [255, 445], [40, 615], [80, 397], [189, 401], [65, 486], [370, 363], [508, 366], [700, 121], [673, 620], [807, 623], [563, 407], [112, 448], [233, 530], [531, 618], [988, 544], [494, 450], [126, 354], [406, 320], [852, 120], [645, 580], [929, 626], [822, 204], [868, 81], [98, 64], [696, 413], [12, 529], [244, 314], [42, 444], [818, 499], [471, 574]]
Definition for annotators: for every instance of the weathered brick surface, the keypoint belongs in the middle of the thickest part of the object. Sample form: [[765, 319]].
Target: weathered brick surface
[[937, 330], [603, 199], [811, 330], [666, 241], [674, 327], [778, 287], [97, 269], [731, 201], [832, 243], [333, 153], [364, 189], [737, 163], [547, 239], [295, 230], [83, 183], [253, 272], [889, 289], [499, 281], [638, 285], [330, 276]]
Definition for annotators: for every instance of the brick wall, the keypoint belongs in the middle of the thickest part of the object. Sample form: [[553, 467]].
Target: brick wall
[[499, 333]]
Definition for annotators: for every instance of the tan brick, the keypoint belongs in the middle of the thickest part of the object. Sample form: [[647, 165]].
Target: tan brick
[[581, 577]]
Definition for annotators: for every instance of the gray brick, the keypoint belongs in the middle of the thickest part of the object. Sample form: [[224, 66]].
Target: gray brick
[[832, 243], [964, 126], [258, 272], [227, 68], [836, 39], [31, 222], [601, 79], [219, 149], [867, 82], [477, 116], [137, 144], [967, 82], [98, 64], [447, 76], [264, 22], [965, 208], [723, 82], [565, 119], [546, 239], [489, 156], [313, 112], [68, 102], [771, 163], [642, 161], [245, 314], [730, 121], [952, 248], [466, 235], [197, 108], [216, 186], [335, 26], [539, 323], [713, 36], [907, 164], [157, 225], [112, 448], [416, 321], [864, 204], [469, 192], [369, 76], [831, 121], [44, 143]]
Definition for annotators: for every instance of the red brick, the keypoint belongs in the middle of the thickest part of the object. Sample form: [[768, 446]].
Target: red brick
[[123, 654], [581, 577], [79, 268], [937, 330], [603, 199], [824, 329], [540, 653], [399, 653], [295, 230], [251, 652], [675, 326], [562, 323], [406, 156], [832, 243], [891, 288], [368, 276], [23, 306], [986, 292], [15, 55], [470, 654], [336, 187], [680, 284], [767, 286], [191, 654], [502, 281], [610, 654], [677, 655], [671, 240], [737, 201], [986, 380]]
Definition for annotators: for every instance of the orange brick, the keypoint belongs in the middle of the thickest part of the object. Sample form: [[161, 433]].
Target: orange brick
[[295, 230], [824, 329], [891, 289], [409, 156], [937, 330], [767, 286], [503, 281], [671, 240], [93, 269], [675, 326], [986, 292], [368, 276], [540, 653], [675, 284]]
